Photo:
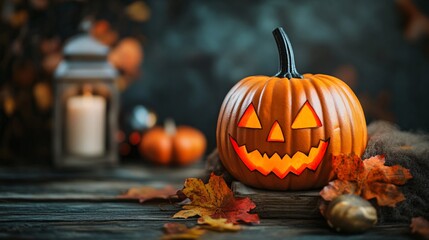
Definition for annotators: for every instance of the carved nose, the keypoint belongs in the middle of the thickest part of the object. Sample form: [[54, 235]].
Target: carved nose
[[276, 133]]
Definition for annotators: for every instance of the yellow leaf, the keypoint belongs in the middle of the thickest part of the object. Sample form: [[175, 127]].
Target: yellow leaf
[[218, 224]]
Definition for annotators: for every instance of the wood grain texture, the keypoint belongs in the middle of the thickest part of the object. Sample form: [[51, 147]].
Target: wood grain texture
[[129, 173], [68, 190], [151, 229], [281, 204], [46, 205]]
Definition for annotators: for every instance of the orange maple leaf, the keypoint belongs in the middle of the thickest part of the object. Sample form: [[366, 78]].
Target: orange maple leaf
[[215, 199], [369, 178]]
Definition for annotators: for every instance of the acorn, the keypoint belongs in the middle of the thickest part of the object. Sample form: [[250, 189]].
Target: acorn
[[350, 213]]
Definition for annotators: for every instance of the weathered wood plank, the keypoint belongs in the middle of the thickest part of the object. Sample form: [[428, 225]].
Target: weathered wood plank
[[149, 229], [84, 211], [84, 206], [281, 204], [127, 172], [84, 220], [63, 190]]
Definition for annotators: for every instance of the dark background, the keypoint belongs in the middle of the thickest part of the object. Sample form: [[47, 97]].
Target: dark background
[[198, 50], [195, 51]]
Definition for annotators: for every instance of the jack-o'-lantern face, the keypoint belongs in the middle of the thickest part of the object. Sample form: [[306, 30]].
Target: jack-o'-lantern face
[[280, 132], [281, 163]]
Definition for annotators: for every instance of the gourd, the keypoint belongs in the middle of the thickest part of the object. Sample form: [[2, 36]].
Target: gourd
[[169, 145]]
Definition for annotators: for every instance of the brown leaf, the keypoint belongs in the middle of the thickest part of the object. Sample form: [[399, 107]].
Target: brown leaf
[[369, 178], [347, 167], [420, 226], [181, 231], [385, 193], [173, 228], [218, 224], [323, 206], [146, 193], [215, 199], [376, 171], [336, 188]]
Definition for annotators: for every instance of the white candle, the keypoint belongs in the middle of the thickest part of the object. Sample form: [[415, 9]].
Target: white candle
[[85, 125]]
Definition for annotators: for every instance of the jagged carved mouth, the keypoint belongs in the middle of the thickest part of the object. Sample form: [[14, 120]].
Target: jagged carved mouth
[[281, 166]]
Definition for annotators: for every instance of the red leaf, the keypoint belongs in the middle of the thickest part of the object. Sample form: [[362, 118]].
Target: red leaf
[[215, 199]]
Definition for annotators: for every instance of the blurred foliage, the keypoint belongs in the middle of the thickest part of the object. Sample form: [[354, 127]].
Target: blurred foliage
[[31, 40]]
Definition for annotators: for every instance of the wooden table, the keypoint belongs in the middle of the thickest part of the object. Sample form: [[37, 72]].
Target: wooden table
[[43, 203]]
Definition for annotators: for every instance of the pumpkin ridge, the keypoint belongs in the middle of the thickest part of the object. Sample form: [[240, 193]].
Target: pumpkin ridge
[[356, 108], [347, 108], [320, 87]]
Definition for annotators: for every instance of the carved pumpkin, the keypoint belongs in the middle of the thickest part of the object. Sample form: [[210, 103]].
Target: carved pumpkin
[[173, 146], [280, 132]]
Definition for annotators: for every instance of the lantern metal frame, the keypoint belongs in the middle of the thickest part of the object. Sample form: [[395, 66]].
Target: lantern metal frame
[[85, 62]]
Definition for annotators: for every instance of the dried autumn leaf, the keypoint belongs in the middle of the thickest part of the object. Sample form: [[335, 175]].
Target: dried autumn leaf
[[215, 199], [173, 228], [376, 171], [369, 178], [420, 226], [146, 193], [336, 188], [175, 231], [218, 224], [342, 165]]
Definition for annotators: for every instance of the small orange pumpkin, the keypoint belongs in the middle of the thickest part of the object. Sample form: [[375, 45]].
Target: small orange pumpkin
[[281, 132], [170, 145]]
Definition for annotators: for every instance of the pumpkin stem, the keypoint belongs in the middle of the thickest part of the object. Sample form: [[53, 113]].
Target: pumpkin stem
[[170, 126], [287, 68]]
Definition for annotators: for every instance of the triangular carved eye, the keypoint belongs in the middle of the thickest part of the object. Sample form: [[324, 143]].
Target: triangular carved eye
[[306, 118], [250, 119]]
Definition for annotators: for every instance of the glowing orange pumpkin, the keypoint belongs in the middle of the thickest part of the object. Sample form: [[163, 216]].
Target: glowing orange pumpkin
[[281, 132], [181, 146]]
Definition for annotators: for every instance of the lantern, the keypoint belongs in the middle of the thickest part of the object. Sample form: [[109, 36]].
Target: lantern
[[86, 106]]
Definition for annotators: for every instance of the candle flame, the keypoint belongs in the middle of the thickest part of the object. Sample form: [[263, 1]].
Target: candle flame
[[87, 90]]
